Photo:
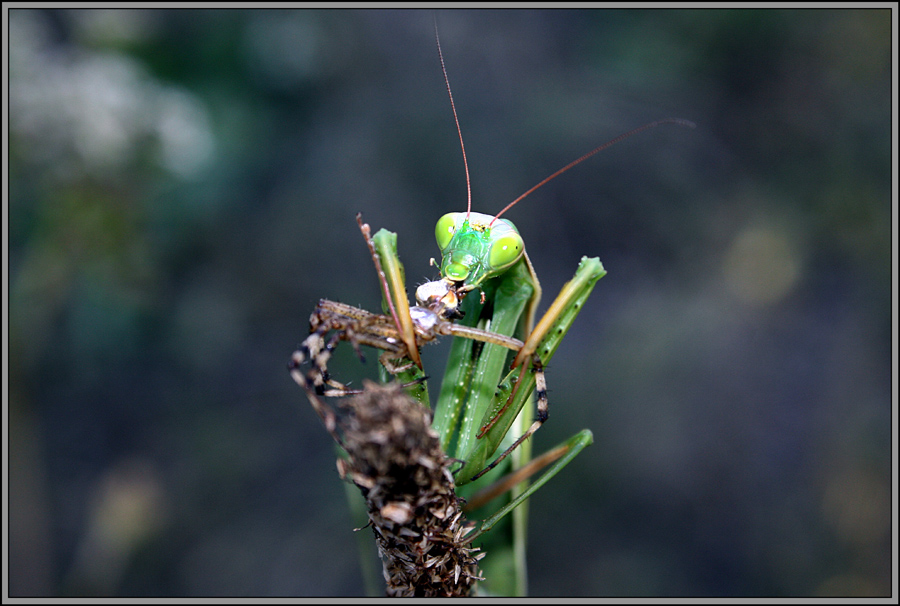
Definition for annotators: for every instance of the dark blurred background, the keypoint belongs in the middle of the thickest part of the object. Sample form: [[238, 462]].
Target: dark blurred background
[[183, 186]]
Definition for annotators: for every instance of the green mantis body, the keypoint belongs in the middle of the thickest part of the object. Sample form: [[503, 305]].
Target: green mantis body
[[482, 392]]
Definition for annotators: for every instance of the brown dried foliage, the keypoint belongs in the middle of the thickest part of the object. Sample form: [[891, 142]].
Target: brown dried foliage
[[396, 460]]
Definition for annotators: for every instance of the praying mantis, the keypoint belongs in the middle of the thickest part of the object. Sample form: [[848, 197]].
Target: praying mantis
[[332, 322], [495, 364]]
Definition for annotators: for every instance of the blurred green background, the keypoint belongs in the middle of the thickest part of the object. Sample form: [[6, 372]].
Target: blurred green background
[[183, 186]]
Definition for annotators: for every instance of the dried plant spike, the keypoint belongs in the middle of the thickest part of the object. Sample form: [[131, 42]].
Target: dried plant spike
[[397, 462]]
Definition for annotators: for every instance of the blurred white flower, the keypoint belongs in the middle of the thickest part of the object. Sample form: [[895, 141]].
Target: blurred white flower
[[96, 111]]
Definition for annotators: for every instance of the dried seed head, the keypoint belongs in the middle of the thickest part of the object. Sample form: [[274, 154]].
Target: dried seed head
[[397, 461]]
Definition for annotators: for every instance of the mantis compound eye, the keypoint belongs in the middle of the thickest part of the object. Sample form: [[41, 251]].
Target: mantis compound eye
[[446, 227], [506, 250]]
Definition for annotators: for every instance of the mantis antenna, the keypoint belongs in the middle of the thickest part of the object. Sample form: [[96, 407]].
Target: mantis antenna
[[458, 129], [462, 145], [609, 143]]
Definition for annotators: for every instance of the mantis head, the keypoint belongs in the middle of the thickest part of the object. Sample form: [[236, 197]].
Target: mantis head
[[475, 247]]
